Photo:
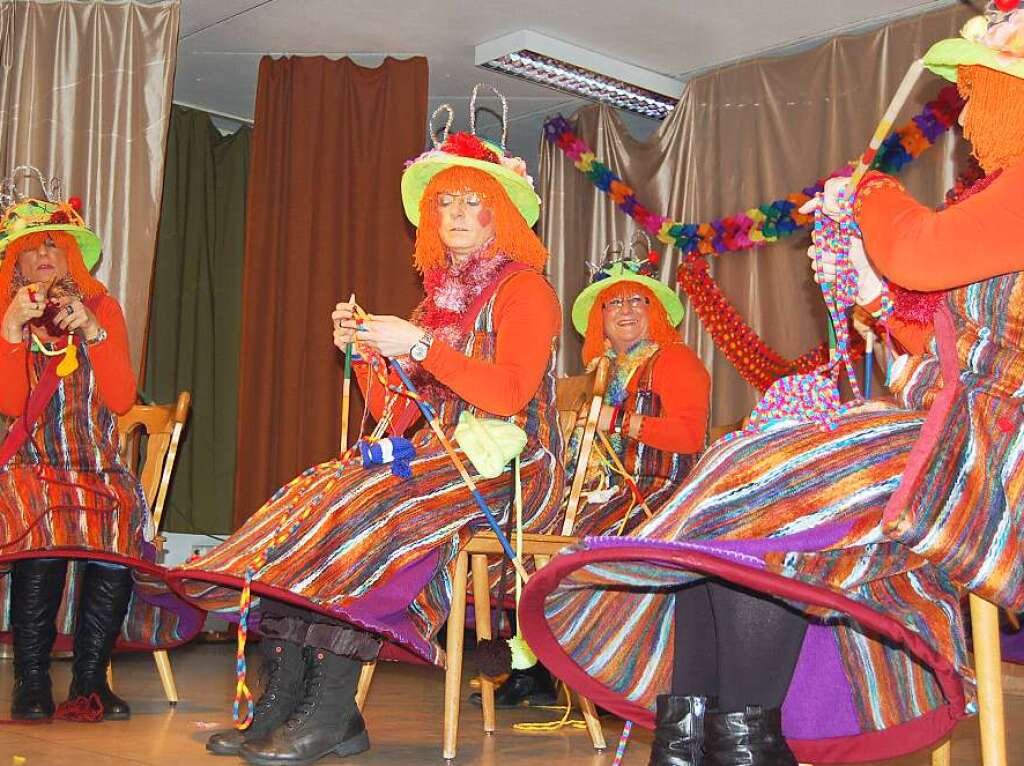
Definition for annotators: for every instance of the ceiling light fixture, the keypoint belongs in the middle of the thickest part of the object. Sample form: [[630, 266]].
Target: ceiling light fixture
[[560, 65]]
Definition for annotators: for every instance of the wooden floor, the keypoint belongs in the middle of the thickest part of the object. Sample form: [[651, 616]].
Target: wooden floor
[[403, 714]]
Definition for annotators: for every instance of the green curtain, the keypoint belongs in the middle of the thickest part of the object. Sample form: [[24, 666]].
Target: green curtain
[[196, 313]]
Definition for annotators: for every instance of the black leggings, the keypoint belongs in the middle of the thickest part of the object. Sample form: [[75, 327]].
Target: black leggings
[[734, 644], [308, 628]]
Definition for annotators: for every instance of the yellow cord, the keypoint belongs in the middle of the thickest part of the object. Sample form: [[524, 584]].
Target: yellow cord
[[565, 722], [70, 353]]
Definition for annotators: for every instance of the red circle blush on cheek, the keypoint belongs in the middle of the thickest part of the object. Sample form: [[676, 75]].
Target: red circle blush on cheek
[[485, 217]]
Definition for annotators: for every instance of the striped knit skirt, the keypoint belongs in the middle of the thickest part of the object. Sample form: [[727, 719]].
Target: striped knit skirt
[[796, 513], [83, 515], [366, 547]]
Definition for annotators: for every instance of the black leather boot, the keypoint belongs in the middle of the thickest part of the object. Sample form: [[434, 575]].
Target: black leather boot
[[752, 737], [106, 592], [284, 668], [679, 732], [37, 586], [325, 720], [529, 688]]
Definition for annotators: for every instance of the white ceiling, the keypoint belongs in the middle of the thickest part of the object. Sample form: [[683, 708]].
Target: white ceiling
[[221, 41]]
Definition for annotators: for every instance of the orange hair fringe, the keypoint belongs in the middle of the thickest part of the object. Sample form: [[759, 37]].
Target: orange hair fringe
[[511, 234], [659, 329], [89, 285], [994, 123]]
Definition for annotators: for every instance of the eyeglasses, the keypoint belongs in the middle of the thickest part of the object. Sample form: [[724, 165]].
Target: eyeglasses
[[633, 301], [447, 199]]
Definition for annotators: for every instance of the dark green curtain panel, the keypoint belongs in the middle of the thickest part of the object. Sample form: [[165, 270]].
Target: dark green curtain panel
[[196, 313]]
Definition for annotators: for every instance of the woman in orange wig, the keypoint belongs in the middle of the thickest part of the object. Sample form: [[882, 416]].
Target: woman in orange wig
[[65, 492], [654, 418], [368, 573], [799, 598]]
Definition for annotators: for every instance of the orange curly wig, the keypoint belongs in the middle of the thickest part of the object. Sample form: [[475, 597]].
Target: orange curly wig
[[511, 234], [659, 329], [994, 123], [89, 285]]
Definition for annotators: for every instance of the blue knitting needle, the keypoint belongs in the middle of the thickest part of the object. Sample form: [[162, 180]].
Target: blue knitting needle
[[435, 425]]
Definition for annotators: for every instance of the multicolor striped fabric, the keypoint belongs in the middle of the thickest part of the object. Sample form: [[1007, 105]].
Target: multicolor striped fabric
[[68, 492], [380, 552], [873, 530], [655, 471], [800, 506], [961, 502]]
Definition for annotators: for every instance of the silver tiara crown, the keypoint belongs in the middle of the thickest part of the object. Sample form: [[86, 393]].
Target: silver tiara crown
[[617, 251], [472, 117], [10, 194]]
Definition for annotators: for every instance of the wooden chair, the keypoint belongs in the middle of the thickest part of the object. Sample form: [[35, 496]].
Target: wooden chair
[[572, 394], [988, 668], [162, 425], [988, 657]]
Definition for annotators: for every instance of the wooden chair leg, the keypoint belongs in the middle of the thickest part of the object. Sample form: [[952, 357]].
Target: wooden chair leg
[[482, 610], [453, 671], [593, 723], [163, 667], [940, 755], [988, 667], [363, 688]]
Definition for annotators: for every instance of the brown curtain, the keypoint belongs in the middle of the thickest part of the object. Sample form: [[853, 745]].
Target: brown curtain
[[85, 93], [740, 136], [324, 220]]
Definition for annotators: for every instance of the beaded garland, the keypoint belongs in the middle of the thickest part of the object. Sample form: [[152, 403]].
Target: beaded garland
[[814, 397]]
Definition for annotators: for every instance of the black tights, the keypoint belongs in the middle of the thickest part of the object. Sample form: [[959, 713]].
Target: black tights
[[734, 644]]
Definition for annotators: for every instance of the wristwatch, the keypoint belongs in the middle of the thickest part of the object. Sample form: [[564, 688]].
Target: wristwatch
[[421, 348]]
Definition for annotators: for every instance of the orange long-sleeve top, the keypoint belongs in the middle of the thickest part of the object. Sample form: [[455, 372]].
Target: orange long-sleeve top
[[111, 362], [683, 385], [527, 318], [923, 249]]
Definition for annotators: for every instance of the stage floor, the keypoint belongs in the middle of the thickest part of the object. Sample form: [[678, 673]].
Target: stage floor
[[403, 714]]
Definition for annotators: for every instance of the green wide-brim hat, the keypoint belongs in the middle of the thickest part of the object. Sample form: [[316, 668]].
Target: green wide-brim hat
[[516, 185], [945, 56], [621, 273], [31, 216]]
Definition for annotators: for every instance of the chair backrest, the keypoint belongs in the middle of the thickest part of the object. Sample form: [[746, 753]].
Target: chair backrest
[[162, 425], [572, 395]]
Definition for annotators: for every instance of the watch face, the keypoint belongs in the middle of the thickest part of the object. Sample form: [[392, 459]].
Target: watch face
[[418, 352]]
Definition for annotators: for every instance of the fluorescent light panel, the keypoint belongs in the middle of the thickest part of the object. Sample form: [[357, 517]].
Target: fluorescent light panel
[[560, 65]]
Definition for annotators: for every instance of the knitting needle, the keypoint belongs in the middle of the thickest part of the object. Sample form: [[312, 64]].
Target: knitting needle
[[346, 389], [435, 425]]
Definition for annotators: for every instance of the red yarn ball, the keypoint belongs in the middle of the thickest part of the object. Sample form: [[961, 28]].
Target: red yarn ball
[[75, 203]]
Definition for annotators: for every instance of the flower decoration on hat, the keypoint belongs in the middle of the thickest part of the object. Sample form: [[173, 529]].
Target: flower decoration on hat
[[1001, 29], [994, 40]]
